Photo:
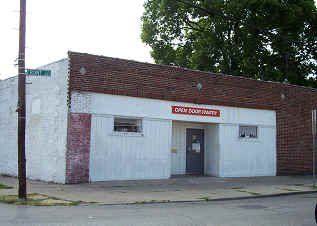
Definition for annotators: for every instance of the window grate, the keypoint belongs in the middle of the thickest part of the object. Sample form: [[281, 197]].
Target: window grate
[[131, 125], [248, 132]]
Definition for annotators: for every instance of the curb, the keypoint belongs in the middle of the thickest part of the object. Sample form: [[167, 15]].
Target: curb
[[201, 201]]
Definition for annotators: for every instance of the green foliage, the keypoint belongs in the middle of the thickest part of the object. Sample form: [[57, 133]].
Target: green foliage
[[2, 186], [272, 40]]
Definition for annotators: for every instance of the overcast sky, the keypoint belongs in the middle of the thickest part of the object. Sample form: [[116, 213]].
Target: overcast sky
[[105, 27]]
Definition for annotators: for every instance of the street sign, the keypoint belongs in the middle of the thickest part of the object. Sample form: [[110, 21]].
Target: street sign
[[37, 72]]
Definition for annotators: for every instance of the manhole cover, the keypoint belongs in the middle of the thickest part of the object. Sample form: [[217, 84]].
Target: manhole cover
[[252, 207]]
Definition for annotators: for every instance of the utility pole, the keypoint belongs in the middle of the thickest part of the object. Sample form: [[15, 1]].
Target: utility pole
[[21, 103], [314, 133]]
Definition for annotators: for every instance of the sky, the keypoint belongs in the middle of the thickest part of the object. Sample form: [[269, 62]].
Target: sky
[[105, 27]]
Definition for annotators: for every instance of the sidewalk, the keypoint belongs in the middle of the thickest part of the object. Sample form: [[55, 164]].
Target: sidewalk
[[180, 189]]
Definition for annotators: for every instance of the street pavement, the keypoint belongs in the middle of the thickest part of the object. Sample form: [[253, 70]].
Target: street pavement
[[178, 189], [294, 210]]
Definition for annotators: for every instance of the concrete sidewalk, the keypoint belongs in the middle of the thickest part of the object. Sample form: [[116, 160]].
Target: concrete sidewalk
[[180, 189]]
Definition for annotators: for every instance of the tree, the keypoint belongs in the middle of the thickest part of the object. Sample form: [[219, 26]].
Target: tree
[[272, 40]]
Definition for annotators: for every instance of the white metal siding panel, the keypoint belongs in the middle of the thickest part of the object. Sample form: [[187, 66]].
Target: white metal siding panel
[[212, 157], [126, 157], [247, 157]]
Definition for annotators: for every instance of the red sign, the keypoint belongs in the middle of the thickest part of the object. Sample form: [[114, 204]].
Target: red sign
[[195, 111]]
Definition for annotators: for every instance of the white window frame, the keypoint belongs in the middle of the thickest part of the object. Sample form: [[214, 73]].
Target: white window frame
[[249, 138], [139, 133]]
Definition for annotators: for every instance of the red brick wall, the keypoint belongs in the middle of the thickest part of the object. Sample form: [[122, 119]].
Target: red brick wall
[[77, 156], [124, 77]]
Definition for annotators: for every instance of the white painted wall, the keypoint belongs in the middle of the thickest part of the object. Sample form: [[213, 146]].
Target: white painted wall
[[247, 157], [8, 126], [212, 152], [143, 107], [225, 154], [122, 156], [46, 124]]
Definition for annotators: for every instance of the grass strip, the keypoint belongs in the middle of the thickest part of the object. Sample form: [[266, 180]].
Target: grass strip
[[2, 186], [37, 200]]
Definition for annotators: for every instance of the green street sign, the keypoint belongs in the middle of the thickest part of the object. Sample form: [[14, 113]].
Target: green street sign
[[37, 72]]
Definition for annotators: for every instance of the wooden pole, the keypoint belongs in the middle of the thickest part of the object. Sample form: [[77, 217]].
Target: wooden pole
[[21, 103]]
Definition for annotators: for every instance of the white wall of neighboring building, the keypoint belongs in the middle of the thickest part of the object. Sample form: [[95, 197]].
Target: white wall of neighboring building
[[46, 124], [8, 126], [225, 154], [46, 127]]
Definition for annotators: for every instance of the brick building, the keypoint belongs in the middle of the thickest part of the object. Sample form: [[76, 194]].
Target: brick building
[[98, 118]]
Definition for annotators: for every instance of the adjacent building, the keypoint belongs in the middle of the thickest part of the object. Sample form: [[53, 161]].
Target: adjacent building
[[98, 118]]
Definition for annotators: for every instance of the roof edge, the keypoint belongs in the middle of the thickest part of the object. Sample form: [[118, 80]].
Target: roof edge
[[193, 70]]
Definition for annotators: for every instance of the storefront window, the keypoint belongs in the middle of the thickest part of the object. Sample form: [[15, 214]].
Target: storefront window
[[248, 131], [127, 125]]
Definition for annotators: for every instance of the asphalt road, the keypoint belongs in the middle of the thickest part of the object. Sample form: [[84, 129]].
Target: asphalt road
[[293, 210]]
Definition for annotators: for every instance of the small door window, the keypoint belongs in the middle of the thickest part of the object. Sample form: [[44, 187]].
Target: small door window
[[195, 144]]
